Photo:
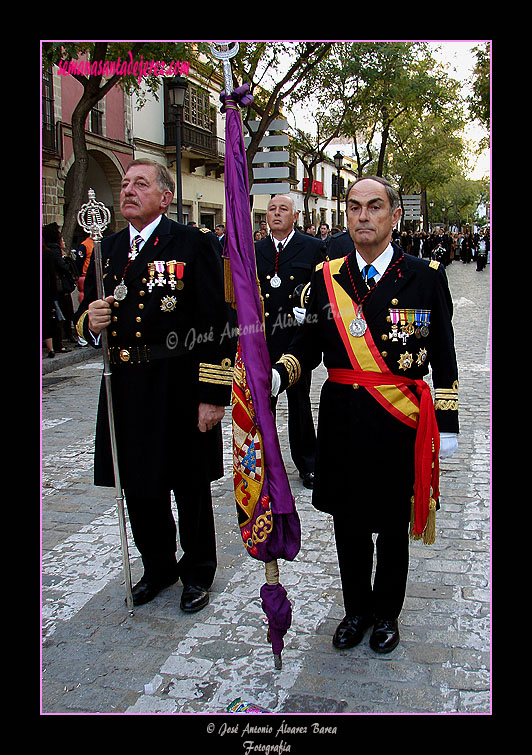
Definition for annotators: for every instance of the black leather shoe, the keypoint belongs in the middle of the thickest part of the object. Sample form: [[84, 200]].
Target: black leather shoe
[[308, 480], [351, 631], [194, 598], [146, 589], [385, 636]]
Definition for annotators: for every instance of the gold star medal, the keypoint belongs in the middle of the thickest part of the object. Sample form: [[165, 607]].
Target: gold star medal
[[405, 361], [168, 303]]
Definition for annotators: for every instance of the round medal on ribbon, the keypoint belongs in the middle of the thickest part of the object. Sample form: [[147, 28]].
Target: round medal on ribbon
[[120, 292]]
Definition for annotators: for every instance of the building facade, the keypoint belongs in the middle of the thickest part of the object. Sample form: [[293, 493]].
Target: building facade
[[119, 130], [109, 143]]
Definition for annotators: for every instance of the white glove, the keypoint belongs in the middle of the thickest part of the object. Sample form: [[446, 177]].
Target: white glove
[[448, 445], [299, 314], [276, 383]]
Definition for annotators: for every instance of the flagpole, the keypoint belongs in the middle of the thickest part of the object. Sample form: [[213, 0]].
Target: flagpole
[[94, 217], [224, 51]]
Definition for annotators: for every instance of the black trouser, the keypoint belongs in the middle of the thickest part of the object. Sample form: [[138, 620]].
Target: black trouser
[[355, 557], [301, 431], [154, 532]]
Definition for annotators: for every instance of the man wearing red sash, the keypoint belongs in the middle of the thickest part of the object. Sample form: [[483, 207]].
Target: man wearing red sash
[[378, 318]]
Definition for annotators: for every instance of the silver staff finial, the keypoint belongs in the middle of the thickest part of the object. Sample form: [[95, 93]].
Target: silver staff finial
[[94, 217], [225, 51]]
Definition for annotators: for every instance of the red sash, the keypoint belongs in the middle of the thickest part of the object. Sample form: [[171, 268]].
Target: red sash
[[370, 371]]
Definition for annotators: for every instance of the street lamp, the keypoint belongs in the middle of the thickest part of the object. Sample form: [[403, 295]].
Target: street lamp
[[176, 97], [338, 162]]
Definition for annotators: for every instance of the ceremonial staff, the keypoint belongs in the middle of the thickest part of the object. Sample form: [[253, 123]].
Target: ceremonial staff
[[94, 217]]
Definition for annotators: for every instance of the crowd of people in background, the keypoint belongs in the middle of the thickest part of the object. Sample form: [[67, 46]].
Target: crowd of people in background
[[438, 244], [446, 247]]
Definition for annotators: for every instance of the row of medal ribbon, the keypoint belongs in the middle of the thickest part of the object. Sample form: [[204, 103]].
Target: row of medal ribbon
[[175, 272], [412, 322]]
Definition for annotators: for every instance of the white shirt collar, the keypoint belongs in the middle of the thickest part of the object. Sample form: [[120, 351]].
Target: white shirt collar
[[284, 242], [146, 231], [380, 264]]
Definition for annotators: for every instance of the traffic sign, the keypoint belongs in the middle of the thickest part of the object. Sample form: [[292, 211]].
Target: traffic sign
[[411, 206], [265, 177]]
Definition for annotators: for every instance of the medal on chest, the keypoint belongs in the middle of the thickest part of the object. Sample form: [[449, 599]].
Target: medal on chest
[[412, 322], [358, 326], [159, 268], [179, 270], [275, 281], [120, 291]]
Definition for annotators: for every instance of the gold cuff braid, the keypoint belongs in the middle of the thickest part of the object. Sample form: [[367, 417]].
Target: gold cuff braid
[[220, 374], [292, 367], [446, 398], [80, 323]]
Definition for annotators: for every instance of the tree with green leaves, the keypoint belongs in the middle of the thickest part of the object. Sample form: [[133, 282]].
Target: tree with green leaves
[[479, 101], [331, 95], [393, 79], [425, 153], [457, 201], [278, 73]]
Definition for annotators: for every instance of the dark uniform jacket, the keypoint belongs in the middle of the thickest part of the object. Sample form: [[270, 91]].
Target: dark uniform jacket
[[170, 350], [365, 456], [296, 263], [340, 245]]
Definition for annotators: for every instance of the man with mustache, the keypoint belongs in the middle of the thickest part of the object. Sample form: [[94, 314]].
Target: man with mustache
[[378, 317], [171, 378]]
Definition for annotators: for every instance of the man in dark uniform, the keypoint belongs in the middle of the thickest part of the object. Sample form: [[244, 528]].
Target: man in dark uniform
[[285, 261], [339, 245], [377, 340], [171, 379]]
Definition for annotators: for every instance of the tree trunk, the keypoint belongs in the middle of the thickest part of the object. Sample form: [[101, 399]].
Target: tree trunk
[[92, 94], [382, 152], [307, 219], [80, 168]]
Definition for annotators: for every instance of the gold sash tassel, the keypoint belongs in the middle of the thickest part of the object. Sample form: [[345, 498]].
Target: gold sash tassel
[[228, 284], [429, 533]]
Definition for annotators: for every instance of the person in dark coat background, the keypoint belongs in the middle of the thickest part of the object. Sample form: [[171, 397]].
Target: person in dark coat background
[[219, 230], [283, 272], [165, 311], [376, 314], [65, 284], [48, 299], [339, 245]]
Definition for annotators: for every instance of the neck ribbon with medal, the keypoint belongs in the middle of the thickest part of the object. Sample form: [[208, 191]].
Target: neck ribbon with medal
[[120, 291], [275, 281], [358, 326]]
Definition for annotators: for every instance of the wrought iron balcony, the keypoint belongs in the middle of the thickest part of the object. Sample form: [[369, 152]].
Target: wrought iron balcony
[[195, 140]]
